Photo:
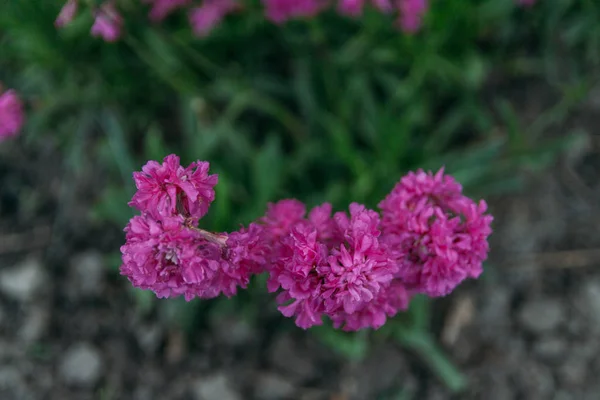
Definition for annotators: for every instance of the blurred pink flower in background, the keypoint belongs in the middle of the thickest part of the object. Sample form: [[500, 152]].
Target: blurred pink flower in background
[[162, 8], [411, 14], [11, 114], [67, 13], [206, 17], [108, 23]]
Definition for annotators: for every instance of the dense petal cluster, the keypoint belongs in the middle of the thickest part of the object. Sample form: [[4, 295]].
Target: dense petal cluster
[[333, 266], [437, 235], [11, 114], [164, 251], [357, 268], [168, 189]]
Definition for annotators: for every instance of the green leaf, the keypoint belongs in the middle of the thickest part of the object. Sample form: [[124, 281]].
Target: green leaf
[[352, 345], [268, 171], [424, 346]]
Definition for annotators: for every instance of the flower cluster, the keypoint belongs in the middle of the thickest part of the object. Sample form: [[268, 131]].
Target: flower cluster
[[437, 236], [357, 268], [166, 253], [11, 114]]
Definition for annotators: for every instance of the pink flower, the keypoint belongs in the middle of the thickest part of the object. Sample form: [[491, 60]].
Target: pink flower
[[67, 13], [206, 17], [11, 114], [107, 22], [168, 189], [279, 11], [172, 260], [331, 267], [244, 256], [277, 223], [169, 259], [411, 14], [282, 216], [162, 8], [373, 314], [437, 236], [356, 271]]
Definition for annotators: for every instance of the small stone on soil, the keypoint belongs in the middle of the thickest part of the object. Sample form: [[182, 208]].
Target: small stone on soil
[[550, 348], [273, 387], [541, 315], [22, 281], [82, 365], [88, 271], [215, 387]]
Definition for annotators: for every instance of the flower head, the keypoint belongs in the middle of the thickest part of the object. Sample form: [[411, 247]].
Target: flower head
[[172, 259], [329, 266], [169, 259], [107, 22], [373, 314], [168, 189], [356, 270], [11, 114], [437, 235]]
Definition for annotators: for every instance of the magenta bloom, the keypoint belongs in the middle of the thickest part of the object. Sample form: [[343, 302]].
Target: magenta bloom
[[357, 270], [411, 14], [244, 256], [331, 267], [206, 17], [11, 114], [282, 216], [173, 260], [373, 314], [168, 189], [162, 8], [437, 235], [67, 13], [108, 22], [279, 11], [169, 259]]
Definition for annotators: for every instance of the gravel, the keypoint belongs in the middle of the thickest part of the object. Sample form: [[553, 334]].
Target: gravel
[[82, 365], [23, 281]]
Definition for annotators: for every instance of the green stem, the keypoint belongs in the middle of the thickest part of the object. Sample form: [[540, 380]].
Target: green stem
[[423, 344]]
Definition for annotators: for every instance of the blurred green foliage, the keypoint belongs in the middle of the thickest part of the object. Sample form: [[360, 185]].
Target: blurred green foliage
[[330, 109]]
